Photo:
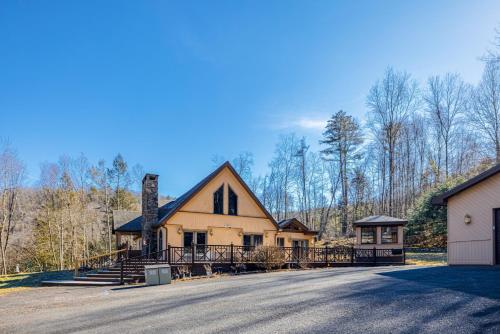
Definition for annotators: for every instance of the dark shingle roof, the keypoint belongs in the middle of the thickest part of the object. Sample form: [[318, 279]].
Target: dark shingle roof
[[294, 224], [168, 210], [126, 221], [379, 220], [443, 198]]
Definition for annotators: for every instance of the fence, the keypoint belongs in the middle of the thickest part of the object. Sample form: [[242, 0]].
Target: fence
[[232, 254]]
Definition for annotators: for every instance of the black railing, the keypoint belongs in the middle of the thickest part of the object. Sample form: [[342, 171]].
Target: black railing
[[232, 255]]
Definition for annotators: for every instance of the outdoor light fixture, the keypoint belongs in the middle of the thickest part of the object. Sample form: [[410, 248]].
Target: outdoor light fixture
[[240, 233], [211, 231], [467, 219], [179, 230]]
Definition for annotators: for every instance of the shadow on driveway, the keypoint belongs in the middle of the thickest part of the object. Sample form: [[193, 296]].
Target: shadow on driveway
[[483, 281]]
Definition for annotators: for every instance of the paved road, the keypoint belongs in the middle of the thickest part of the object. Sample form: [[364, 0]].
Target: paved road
[[339, 300]]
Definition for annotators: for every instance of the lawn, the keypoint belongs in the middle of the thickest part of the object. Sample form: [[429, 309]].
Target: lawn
[[425, 259], [22, 281]]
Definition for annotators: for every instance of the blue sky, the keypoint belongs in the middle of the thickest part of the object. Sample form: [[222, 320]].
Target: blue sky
[[171, 84]]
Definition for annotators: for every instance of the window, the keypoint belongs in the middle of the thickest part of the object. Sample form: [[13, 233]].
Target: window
[[300, 243], [368, 235], [389, 234], [219, 201], [233, 203], [280, 242], [252, 240], [198, 238]]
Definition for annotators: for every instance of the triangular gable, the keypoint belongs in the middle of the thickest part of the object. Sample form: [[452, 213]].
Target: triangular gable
[[183, 201]]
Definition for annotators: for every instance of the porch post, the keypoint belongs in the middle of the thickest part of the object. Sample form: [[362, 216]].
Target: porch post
[[232, 254], [168, 253], [374, 255], [193, 248], [326, 255]]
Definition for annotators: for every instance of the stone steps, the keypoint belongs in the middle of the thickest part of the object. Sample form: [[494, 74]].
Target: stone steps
[[78, 283]]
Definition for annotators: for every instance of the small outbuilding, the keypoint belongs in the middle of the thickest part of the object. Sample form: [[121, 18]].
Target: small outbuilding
[[474, 219], [381, 232]]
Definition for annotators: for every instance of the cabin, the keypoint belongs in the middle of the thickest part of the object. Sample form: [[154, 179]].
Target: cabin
[[220, 210], [473, 219]]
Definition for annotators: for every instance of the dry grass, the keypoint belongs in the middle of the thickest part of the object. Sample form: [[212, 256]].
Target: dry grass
[[426, 259], [23, 281]]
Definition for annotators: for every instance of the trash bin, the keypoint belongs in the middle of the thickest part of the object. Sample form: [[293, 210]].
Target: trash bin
[[165, 274], [151, 275]]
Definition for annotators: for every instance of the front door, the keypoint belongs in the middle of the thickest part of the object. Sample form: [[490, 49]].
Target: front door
[[497, 236]]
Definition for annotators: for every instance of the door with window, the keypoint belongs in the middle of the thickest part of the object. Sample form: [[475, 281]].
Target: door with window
[[198, 240], [300, 248], [497, 236]]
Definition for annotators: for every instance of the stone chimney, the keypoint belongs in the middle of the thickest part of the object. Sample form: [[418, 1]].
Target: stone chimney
[[149, 210]]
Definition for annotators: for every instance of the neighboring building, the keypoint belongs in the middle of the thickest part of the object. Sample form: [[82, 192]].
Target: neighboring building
[[219, 210], [474, 219], [381, 232]]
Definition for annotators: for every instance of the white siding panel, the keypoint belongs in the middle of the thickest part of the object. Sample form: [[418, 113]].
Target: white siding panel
[[470, 252]]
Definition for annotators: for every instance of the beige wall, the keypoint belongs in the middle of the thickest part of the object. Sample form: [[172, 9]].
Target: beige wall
[[290, 236], [197, 215], [379, 243], [223, 230], [473, 243], [203, 201]]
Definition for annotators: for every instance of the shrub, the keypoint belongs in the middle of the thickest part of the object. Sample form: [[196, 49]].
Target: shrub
[[269, 258]]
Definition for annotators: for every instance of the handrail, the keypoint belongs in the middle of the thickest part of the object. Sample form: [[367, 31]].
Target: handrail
[[97, 258]]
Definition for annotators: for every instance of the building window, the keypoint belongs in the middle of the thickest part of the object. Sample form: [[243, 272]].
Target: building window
[[219, 201], [160, 240], [300, 243], [233, 203], [252, 240], [368, 235], [197, 238], [280, 242], [389, 234]]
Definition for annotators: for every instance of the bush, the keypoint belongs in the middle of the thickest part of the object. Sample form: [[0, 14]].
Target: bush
[[269, 258]]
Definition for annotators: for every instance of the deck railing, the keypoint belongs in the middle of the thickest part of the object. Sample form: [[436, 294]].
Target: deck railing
[[233, 255]]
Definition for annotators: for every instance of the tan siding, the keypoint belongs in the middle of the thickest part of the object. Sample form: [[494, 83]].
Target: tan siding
[[203, 201], [225, 228], [290, 236], [473, 243]]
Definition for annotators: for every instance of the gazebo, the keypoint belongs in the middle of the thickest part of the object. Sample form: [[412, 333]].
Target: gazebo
[[383, 233]]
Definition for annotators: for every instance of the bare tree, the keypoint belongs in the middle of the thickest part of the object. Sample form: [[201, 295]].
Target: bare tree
[[446, 101], [485, 107], [391, 101], [12, 172]]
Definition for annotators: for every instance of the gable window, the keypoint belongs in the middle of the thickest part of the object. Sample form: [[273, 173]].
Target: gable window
[[219, 201], [389, 234], [368, 235], [233, 203]]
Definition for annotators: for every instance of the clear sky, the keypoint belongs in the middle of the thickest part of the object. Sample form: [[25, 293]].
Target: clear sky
[[171, 84]]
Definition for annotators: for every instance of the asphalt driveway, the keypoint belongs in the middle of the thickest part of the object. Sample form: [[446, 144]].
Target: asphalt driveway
[[339, 300]]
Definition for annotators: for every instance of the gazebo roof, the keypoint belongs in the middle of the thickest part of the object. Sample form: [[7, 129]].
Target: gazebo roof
[[380, 220]]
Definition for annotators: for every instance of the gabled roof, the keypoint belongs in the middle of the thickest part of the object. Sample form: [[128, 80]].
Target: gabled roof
[[168, 210], [443, 198], [293, 224], [380, 220]]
